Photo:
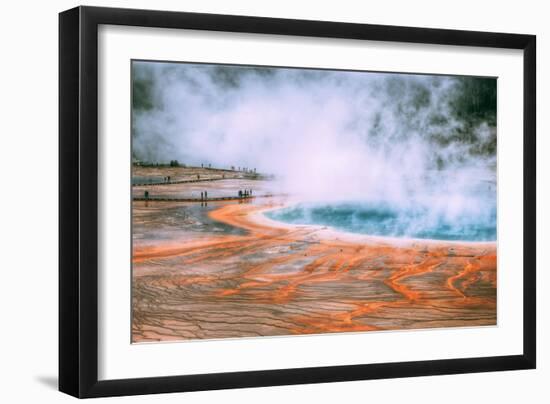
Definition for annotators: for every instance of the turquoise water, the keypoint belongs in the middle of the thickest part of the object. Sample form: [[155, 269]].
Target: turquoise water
[[381, 219]]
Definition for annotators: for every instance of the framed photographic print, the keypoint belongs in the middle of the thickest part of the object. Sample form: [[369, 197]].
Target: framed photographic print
[[250, 201]]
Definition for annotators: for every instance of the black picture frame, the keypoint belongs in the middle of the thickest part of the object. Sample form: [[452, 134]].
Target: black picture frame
[[78, 201]]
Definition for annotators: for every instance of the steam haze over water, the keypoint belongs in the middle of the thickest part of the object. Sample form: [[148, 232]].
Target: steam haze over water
[[420, 147]]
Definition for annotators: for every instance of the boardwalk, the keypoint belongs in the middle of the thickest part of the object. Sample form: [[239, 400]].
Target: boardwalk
[[218, 199]]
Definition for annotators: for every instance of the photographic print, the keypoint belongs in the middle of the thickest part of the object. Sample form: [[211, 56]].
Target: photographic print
[[277, 201]]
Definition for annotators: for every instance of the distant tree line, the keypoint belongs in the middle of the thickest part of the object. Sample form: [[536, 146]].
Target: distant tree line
[[463, 113]]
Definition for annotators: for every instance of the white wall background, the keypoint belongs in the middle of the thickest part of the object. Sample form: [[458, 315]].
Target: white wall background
[[28, 221]]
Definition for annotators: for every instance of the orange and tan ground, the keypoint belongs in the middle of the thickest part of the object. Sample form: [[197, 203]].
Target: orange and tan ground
[[226, 271]]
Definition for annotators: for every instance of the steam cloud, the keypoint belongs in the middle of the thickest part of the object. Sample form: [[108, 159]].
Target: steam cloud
[[397, 139]]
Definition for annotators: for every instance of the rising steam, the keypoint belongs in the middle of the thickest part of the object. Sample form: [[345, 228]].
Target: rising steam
[[405, 141]]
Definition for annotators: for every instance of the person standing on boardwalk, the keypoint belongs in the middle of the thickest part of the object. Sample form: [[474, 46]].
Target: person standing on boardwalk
[[205, 195], [202, 196]]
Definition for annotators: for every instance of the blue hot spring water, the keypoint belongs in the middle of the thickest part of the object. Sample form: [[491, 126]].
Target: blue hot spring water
[[382, 219]]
